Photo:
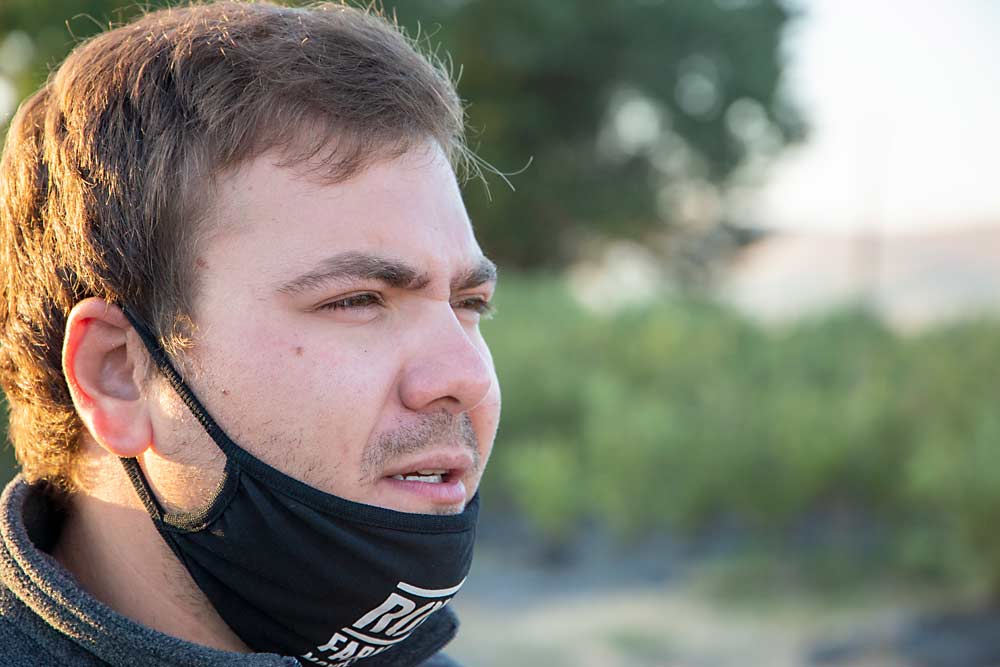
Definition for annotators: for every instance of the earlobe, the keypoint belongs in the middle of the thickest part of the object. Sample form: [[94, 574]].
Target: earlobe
[[100, 357]]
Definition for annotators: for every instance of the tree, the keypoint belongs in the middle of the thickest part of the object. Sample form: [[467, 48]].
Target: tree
[[635, 115], [630, 110]]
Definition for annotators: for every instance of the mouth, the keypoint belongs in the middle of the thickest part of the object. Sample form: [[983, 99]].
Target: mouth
[[439, 480], [426, 476]]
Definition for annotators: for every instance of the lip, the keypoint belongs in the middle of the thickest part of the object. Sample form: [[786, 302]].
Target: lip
[[456, 463], [452, 491]]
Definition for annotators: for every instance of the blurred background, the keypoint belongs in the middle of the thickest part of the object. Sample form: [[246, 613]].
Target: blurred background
[[748, 323]]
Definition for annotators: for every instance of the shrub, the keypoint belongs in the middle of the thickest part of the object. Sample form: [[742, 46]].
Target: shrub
[[673, 415]]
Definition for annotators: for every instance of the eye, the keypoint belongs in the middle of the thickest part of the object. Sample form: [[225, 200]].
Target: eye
[[353, 302], [478, 305]]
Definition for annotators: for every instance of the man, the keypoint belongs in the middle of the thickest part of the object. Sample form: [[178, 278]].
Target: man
[[239, 337]]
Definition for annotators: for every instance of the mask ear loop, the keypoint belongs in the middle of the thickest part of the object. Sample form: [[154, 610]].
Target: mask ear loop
[[163, 364], [164, 521]]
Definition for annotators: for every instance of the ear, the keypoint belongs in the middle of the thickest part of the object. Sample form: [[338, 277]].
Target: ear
[[103, 362]]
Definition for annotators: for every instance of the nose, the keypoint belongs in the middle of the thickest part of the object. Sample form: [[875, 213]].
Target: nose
[[447, 369]]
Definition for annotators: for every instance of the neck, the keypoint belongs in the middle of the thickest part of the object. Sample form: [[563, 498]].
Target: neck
[[138, 576]]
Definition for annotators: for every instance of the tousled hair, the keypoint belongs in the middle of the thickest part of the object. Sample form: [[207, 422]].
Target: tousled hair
[[107, 173]]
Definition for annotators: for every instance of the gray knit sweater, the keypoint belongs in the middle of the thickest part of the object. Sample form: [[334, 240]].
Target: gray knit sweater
[[48, 620]]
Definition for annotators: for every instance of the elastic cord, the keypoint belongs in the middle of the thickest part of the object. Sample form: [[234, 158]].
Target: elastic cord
[[162, 362], [152, 505], [184, 521], [146, 494]]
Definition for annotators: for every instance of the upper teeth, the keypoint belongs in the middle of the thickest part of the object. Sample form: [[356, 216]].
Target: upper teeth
[[429, 476]]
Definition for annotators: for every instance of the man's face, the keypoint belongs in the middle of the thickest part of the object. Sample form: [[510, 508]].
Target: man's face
[[338, 332]]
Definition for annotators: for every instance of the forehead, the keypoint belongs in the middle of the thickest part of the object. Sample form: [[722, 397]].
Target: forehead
[[278, 221]]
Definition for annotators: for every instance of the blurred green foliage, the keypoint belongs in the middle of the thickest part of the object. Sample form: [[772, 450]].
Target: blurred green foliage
[[679, 415], [610, 101]]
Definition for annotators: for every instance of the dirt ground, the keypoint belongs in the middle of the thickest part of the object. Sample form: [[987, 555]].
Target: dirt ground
[[626, 612]]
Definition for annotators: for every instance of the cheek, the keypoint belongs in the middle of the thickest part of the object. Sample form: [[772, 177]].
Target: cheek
[[329, 380], [309, 409], [316, 388]]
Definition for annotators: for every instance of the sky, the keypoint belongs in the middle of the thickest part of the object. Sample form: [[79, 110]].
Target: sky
[[903, 97]]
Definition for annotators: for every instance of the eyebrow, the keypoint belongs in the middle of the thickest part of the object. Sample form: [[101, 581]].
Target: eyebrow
[[394, 273], [485, 271]]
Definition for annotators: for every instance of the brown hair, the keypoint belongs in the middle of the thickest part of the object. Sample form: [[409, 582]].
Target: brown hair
[[107, 169]]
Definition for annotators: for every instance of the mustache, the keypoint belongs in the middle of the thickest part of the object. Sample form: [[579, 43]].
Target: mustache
[[432, 429]]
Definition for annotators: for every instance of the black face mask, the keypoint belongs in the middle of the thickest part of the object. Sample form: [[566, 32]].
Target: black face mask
[[299, 572]]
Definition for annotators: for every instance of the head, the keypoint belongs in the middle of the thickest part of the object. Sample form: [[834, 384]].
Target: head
[[272, 192]]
